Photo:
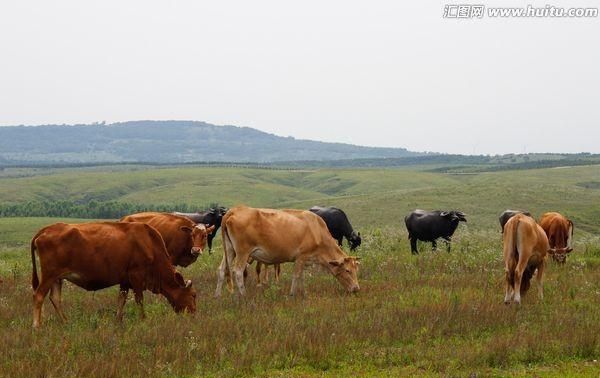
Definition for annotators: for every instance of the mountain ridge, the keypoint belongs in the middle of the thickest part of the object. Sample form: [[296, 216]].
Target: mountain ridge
[[169, 142]]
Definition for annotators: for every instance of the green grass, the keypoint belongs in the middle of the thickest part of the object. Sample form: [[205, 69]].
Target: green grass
[[431, 315]]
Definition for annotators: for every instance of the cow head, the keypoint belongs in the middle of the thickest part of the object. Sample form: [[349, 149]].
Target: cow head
[[183, 298], [355, 240], [560, 254], [455, 216], [345, 271], [198, 234]]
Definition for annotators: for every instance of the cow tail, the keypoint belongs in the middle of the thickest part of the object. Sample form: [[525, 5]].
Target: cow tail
[[226, 245], [510, 241], [35, 282]]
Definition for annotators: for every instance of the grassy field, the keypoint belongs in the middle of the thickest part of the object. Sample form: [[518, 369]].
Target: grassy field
[[436, 314]]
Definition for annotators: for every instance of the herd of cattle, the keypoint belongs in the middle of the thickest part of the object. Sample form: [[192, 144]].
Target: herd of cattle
[[140, 251]]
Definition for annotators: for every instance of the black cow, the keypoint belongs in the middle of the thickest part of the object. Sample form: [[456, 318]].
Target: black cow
[[211, 217], [430, 225], [507, 214], [338, 224]]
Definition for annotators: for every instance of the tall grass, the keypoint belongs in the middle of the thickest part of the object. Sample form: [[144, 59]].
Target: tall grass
[[438, 313]]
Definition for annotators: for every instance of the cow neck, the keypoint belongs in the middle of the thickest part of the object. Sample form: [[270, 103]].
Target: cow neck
[[164, 282], [558, 234], [335, 253]]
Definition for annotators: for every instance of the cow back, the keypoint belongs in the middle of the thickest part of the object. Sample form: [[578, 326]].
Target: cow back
[[169, 226]]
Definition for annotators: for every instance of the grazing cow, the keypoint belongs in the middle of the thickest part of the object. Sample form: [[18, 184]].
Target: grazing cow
[[184, 239], [338, 225], [560, 235], [211, 217], [525, 251], [278, 236], [430, 225], [95, 256], [507, 214]]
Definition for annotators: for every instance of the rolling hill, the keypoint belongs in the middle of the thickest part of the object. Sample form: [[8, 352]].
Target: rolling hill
[[168, 142]]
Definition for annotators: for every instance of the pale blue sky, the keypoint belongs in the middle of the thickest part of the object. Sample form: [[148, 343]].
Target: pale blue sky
[[379, 73]]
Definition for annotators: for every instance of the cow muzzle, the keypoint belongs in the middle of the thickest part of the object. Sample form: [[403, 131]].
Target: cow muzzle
[[354, 289], [196, 251]]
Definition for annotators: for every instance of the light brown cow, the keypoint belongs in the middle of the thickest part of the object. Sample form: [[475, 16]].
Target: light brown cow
[[279, 236], [560, 235], [185, 240], [525, 251], [95, 256]]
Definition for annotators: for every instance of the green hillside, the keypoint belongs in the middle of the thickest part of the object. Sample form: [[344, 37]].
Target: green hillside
[[372, 196]]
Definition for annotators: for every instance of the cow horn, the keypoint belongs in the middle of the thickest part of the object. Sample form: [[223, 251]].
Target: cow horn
[[188, 283], [552, 251]]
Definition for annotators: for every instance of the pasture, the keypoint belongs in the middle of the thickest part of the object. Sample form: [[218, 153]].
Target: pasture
[[435, 314]]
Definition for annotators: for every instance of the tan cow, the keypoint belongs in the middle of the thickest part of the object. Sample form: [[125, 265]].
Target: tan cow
[[279, 236], [560, 235], [185, 240], [525, 251], [95, 256]]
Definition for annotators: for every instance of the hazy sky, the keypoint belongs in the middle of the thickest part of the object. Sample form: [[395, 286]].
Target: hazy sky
[[381, 73]]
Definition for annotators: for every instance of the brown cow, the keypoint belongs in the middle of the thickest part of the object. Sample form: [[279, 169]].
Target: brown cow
[[95, 256], [525, 251], [560, 235], [184, 239], [278, 236]]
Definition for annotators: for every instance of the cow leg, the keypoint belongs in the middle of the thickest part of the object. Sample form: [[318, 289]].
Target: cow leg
[[139, 299], [221, 277], [55, 294], [540, 279], [267, 273], [434, 245], [258, 271], [413, 246], [448, 241], [508, 291], [277, 268], [340, 241], [38, 299], [298, 278], [518, 277], [123, 292], [209, 242], [239, 266]]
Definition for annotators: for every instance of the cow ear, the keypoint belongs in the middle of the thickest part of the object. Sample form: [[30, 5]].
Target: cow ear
[[186, 229], [179, 279]]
